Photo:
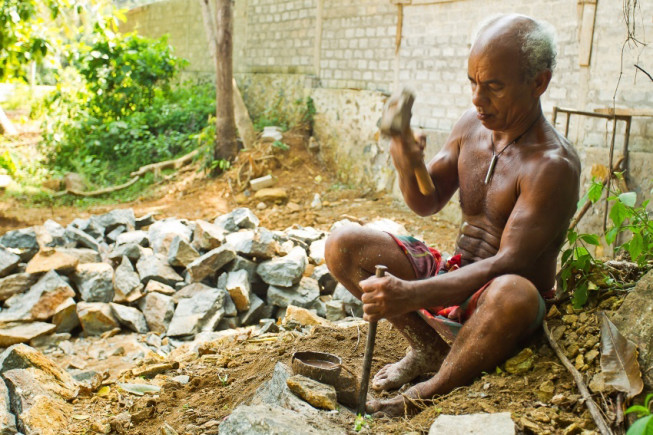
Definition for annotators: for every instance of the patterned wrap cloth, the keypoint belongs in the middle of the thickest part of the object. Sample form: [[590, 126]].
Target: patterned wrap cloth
[[428, 262]]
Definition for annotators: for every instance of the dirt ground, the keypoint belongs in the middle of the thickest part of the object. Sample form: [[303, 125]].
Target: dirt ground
[[543, 399]]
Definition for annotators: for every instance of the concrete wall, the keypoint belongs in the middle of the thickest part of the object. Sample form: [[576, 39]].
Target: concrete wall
[[342, 53]]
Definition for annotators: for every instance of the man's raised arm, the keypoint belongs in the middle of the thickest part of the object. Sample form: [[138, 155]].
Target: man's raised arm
[[443, 169]]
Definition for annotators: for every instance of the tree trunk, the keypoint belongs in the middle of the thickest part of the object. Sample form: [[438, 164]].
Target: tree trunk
[[6, 127], [226, 146], [243, 121]]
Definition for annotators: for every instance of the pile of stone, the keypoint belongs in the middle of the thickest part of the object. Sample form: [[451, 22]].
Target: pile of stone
[[173, 277]]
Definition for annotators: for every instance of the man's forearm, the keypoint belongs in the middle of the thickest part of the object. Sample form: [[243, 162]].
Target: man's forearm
[[419, 203], [453, 288]]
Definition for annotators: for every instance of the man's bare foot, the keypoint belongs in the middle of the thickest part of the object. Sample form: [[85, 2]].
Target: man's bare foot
[[401, 405], [393, 376]]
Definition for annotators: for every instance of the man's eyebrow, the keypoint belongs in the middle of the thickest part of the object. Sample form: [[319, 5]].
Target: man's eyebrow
[[487, 82]]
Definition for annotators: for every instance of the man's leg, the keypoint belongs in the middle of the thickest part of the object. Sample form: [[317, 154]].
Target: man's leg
[[506, 311], [351, 254]]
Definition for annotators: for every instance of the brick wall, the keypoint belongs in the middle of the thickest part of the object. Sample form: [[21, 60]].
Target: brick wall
[[337, 50]]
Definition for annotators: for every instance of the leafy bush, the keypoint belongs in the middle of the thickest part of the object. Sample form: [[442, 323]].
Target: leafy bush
[[580, 271], [644, 425], [120, 112]]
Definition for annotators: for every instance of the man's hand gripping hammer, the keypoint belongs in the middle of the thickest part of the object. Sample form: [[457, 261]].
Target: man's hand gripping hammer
[[395, 121]]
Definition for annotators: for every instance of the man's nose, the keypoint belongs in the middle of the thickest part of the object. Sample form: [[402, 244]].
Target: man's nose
[[478, 96]]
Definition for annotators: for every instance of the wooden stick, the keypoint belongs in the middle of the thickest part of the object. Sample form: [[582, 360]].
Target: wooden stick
[[589, 402], [367, 360], [175, 163]]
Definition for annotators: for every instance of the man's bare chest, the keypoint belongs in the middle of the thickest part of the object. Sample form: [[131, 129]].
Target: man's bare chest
[[496, 199]]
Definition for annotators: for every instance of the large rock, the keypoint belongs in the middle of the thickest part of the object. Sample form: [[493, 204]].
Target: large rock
[[138, 237], [40, 302], [8, 262], [94, 282], [181, 253], [210, 263], [634, 319], [201, 312], [242, 263], [276, 392], [21, 356], [109, 221], [83, 255], [96, 317], [324, 278], [259, 244], [307, 235], [16, 284], [156, 267], [351, 304], [481, 424], [22, 242], [316, 252], [80, 238], [130, 318], [52, 259], [7, 418], [302, 295], [238, 287], [271, 419], [162, 232], [319, 395], [207, 236], [159, 287], [240, 218], [13, 333], [254, 313], [89, 226], [51, 234], [38, 410], [158, 310], [65, 316], [133, 251], [126, 283], [284, 271]]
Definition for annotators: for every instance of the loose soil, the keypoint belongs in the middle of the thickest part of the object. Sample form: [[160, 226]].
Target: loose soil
[[229, 371]]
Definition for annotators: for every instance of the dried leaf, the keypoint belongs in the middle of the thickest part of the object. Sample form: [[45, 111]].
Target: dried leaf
[[619, 360], [81, 417], [104, 391], [140, 389]]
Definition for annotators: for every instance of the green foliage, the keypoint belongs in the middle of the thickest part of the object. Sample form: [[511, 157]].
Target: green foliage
[[644, 425], [21, 38], [580, 270], [362, 422], [280, 145], [121, 112], [279, 114]]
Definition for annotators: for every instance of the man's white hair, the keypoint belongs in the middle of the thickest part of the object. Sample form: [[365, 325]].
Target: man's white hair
[[537, 41]]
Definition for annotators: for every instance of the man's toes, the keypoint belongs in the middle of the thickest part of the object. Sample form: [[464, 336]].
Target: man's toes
[[372, 406]]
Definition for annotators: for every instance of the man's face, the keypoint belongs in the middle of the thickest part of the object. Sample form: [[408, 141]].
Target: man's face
[[503, 99]]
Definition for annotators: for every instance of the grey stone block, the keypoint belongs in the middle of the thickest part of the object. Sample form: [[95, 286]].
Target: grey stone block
[[94, 282], [156, 267], [284, 271], [302, 295], [130, 318]]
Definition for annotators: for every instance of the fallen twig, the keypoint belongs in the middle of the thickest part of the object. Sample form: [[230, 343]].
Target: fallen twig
[[100, 191], [644, 71], [175, 163], [587, 397]]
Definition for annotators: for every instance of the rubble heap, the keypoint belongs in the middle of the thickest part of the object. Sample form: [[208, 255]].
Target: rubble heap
[[173, 277]]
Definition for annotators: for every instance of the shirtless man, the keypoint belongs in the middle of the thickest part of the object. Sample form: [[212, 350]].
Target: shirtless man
[[515, 215]]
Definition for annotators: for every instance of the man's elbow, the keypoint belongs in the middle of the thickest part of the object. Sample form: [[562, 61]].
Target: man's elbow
[[507, 262]]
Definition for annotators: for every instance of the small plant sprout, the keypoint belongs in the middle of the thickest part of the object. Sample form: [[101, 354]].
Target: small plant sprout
[[224, 379], [644, 425]]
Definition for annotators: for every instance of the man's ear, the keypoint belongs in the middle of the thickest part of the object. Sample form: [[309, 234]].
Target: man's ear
[[541, 83]]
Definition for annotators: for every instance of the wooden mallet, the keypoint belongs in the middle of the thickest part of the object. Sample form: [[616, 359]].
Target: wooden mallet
[[395, 121], [367, 360]]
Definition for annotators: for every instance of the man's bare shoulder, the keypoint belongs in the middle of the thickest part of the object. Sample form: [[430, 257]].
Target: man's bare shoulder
[[552, 163]]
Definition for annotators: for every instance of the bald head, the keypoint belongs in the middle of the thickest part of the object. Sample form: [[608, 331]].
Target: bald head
[[532, 41]]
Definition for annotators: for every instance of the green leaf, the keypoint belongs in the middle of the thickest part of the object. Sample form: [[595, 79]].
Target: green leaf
[[618, 213], [580, 252], [594, 192], [572, 237], [565, 256], [635, 246], [628, 198], [643, 426], [592, 239], [639, 409], [580, 296], [611, 235]]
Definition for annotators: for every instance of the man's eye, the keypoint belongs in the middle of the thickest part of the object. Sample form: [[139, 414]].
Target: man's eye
[[495, 88]]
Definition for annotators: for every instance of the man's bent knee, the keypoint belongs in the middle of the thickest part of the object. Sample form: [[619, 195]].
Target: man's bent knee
[[339, 245], [515, 297]]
